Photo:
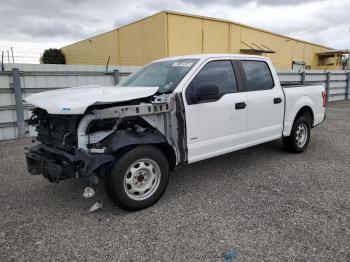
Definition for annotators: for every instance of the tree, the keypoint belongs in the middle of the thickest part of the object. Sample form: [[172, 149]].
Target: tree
[[53, 56]]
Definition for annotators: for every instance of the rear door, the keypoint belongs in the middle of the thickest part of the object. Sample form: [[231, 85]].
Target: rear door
[[265, 105], [216, 127]]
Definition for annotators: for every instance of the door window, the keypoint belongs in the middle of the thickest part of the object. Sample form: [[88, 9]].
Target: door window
[[219, 73], [258, 75]]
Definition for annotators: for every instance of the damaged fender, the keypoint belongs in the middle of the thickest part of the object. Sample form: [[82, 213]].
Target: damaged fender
[[123, 138]]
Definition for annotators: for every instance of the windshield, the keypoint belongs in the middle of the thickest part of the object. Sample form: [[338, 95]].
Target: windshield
[[165, 74]]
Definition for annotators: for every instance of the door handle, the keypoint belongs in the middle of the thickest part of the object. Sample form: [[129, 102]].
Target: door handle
[[277, 100], [240, 105]]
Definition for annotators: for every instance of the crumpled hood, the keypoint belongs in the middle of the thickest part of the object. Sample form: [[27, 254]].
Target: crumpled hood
[[75, 100]]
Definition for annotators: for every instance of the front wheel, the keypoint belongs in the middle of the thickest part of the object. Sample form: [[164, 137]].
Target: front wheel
[[138, 178], [299, 137]]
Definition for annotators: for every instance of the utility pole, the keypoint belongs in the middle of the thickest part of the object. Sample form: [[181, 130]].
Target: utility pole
[[2, 61], [13, 60], [8, 57], [109, 57]]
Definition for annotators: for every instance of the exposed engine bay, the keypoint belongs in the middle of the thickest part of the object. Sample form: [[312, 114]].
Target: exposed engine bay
[[76, 145], [55, 130]]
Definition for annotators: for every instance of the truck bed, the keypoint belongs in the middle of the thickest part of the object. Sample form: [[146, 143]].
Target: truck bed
[[302, 95]]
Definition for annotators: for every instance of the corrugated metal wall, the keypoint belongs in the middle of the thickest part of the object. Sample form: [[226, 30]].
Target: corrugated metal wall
[[38, 78], [337, 82]]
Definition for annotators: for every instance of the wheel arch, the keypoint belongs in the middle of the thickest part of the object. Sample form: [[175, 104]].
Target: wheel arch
[[123, 141], [307, 111], [165, 148]]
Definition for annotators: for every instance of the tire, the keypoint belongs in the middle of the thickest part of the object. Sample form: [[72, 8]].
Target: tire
[[299, 137], [138, 178]]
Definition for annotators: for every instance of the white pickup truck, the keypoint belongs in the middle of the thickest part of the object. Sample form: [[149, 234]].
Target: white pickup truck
[[173, 111]]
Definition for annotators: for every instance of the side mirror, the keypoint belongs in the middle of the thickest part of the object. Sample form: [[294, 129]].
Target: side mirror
[[206, 92]]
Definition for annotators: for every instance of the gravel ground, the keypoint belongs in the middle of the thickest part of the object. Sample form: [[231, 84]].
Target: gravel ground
[[262, 203]]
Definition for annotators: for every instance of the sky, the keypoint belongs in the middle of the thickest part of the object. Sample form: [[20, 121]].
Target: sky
[[31, 26]]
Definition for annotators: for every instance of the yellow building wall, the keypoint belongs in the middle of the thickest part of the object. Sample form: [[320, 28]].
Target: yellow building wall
[[143, 41], [134, 44], [235, 39], [130, 44], [94, 50], [154, 38], [215, 36], [184, 35], [316, 65], [286, 50], [195, 35], [309, 55]]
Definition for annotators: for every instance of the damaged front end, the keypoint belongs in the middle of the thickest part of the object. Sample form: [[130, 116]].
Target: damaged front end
[[55, 157], [84, 145], [54, 164]]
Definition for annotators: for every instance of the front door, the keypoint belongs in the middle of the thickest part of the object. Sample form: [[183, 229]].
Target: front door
[[215, 127]]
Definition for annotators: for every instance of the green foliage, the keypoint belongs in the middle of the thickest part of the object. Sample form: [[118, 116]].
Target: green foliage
[[53, 56]]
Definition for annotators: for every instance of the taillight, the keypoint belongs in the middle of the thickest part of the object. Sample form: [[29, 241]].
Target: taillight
[[324, 97]]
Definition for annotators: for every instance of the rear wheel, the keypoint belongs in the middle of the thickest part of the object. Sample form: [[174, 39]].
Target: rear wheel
[[139, 178], [299, 137]]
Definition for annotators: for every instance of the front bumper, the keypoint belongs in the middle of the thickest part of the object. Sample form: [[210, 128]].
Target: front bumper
[[56, 165]]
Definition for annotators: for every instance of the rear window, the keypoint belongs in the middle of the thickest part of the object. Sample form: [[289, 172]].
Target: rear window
[[258, 75]]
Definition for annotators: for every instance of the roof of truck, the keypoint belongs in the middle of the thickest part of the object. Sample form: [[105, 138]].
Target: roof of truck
[[208, 56]]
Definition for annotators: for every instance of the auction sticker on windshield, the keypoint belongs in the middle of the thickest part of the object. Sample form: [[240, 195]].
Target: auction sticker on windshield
[[183, 64]]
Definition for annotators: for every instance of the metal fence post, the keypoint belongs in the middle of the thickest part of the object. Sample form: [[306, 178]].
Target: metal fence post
[[116, 76], [16, 79], [328, 82], [347, 85], [303, 76]]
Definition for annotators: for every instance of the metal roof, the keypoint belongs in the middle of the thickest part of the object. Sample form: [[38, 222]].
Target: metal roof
[[239, 24], [208, 18]]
